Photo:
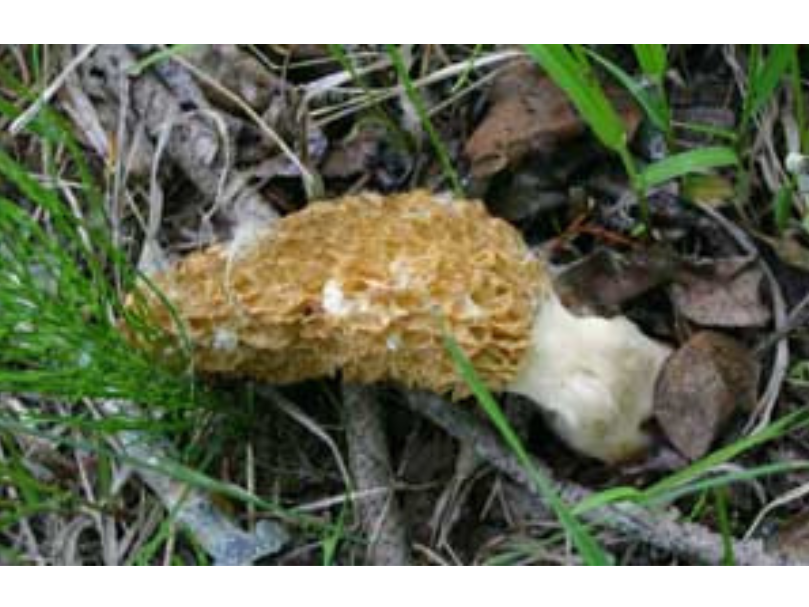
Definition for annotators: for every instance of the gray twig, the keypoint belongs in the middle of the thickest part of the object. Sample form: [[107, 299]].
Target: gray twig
[[371, 469], [28, 115], [192, 508], [661, 529]]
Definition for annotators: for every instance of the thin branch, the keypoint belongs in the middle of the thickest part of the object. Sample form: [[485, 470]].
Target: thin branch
[[661, 529], [370, 464], [28, 115]]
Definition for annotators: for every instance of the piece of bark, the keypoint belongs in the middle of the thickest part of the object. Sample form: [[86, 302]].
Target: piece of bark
[[371, 469]]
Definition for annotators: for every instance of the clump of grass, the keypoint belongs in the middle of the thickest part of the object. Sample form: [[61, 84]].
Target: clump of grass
[[60, 339], [61, 345], [765, 74], [59, 332], [60, 281], [570, 69]]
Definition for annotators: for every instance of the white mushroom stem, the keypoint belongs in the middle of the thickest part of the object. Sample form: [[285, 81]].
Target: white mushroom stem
[[593, 377]]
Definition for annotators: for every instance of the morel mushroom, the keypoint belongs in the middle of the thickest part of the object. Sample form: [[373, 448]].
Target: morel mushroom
[[367, 285]]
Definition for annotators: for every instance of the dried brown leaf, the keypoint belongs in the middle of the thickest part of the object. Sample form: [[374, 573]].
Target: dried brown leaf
[[529, 113], [605, 280], [701, 386], [721, 293]]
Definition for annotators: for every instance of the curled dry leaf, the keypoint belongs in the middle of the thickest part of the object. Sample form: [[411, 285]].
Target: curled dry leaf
[[722, 293], [700, 386], [529, 113]]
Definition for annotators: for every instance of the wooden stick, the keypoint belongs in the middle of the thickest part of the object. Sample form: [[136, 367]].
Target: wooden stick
[[370, 466]]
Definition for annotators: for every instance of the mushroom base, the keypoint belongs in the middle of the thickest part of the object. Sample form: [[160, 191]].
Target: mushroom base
[[593, 378]]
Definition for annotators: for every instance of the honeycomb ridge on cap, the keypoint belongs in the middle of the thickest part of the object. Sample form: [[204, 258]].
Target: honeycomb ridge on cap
[[366, 285]]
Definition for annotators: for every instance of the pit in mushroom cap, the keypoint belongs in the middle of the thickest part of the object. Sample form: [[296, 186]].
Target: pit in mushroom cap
[[367, 284]]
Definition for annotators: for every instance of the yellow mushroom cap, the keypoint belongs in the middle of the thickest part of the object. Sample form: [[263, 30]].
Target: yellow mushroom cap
[[365, 285]]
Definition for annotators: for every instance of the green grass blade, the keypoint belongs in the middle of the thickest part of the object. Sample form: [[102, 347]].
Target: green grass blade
[[684, 163], [788, 423], [798, 98], [575, 78], [424, 119], [653, 60], [723, 518], [606, 497], [713, 481], [158, 57], [333, 537], [465, 76], [588, 547], [649, 99], [765, 78], [693, 478], [782, 208], [710, 130], [571, 72]]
